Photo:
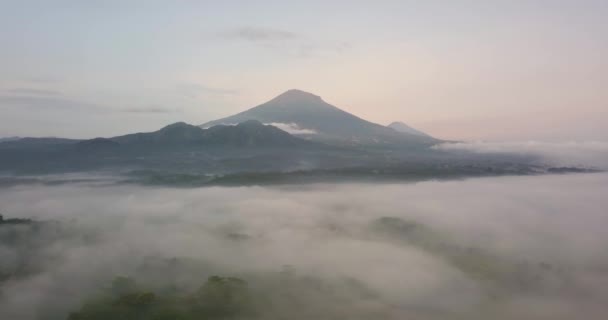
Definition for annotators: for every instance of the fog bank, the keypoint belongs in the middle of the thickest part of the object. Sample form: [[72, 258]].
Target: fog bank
[[507, 248], [578, 154]]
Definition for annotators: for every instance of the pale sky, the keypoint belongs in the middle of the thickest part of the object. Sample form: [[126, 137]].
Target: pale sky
[[491, 70]]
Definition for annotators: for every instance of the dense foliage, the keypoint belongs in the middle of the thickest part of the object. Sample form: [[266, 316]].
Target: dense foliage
[[217, 298]]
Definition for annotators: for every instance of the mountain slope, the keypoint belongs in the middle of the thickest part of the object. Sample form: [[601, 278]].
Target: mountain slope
[[321, 121], [404, 128]]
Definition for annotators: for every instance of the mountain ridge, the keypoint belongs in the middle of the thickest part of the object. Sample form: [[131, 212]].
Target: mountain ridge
[[248, 133]]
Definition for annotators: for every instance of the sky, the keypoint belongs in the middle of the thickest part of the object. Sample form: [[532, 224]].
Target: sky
[[472, 70]]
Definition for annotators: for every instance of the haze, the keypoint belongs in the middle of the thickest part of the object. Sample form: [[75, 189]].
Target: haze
[[493, 70]]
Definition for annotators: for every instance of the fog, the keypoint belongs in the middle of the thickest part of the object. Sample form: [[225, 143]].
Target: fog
[[349, 249], [581, 153]]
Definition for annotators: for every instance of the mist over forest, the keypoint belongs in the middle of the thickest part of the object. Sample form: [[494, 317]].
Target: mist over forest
[[506, 248]]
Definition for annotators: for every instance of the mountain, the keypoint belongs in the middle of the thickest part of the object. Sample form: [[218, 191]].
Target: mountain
[[404, 128], [307, 115], [97, 144], [179, 147], [251, 152], [251, 133], [245, 134], [174, 134]]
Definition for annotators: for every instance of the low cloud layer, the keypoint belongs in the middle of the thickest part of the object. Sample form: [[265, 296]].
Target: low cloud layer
[[389, 251], [584, 154], [292, 128]]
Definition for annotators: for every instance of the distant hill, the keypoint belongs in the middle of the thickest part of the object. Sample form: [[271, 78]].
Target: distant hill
[[246, 146], [404, 128], [36, 143], [97, 144], [245, 134], [6, 139], [250, 133], [308, 116]]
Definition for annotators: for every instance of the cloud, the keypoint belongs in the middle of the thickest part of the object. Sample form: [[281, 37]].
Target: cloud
[[151, 109], [258, 34], [292, 128], [40, 79], [585, 154], [541, 241], [194, 90], [285, 42], [33, 92], [45, 101]]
